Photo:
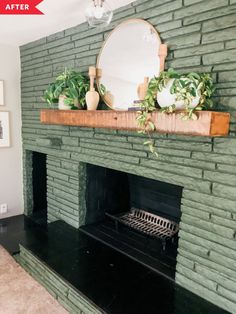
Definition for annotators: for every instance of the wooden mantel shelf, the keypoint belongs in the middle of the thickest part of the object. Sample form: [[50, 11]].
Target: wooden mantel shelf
[[209, 123]]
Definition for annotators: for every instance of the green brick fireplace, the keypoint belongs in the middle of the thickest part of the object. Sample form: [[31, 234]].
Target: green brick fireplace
[[201, 36]]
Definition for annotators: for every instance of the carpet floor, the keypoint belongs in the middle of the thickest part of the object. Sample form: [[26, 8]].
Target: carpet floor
[[20, 293]]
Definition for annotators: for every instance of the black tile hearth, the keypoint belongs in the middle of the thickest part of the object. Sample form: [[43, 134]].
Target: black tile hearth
[[113, 281], [17, 230]]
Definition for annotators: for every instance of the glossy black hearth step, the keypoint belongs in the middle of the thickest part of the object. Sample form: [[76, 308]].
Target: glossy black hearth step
[[18, 229], [114, 282], [129, 246]]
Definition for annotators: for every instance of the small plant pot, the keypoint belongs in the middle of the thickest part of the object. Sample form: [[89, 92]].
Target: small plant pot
[[61, 103], [77, 104], [92, 100], [166, 99]]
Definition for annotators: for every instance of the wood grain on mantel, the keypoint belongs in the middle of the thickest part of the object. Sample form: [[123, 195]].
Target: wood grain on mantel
[[209, 123]]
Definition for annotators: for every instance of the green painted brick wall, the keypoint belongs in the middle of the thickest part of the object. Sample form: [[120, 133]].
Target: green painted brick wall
[[67, 296], [201, 36]]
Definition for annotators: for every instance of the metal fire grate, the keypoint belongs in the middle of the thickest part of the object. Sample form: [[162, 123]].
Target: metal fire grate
[[148, 223]]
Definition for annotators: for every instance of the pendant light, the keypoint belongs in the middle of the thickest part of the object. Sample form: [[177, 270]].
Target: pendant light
[[98, 14]]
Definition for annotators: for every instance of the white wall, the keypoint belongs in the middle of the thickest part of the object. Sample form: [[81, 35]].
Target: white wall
[[11, 187]]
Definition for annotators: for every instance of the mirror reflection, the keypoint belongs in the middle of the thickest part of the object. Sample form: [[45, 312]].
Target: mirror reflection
[[128, 59]]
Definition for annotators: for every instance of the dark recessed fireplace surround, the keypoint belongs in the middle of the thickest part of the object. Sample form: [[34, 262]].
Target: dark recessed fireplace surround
[[203, 167], [111, 194]]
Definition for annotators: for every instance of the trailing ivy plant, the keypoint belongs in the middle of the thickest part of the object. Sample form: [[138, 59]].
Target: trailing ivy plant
[[71, 84], [144, 115], [185, 87]]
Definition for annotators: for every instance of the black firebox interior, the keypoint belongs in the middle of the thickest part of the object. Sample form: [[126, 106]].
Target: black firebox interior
[[39, 181], [114, 192]]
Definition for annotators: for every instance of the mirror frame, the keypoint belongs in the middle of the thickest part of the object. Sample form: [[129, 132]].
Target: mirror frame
[[105, 42]]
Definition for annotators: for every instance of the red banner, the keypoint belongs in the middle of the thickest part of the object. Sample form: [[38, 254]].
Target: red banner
[[20, 7]]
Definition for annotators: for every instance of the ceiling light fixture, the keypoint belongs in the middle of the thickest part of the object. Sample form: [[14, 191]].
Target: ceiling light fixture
[[98, 14]]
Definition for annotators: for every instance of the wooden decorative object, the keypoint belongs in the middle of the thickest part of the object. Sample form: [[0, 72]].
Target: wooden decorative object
[[92, 74], [142, 88], [99, 74], [209, 123], [162, 55], [92, 97], [98, 77]]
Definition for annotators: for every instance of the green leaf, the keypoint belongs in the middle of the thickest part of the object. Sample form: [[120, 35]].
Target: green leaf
[[141, 132], [193, 92], [151, 148], [151, 125], [147, 143], [198, 108], [182, 83], [185, 118]]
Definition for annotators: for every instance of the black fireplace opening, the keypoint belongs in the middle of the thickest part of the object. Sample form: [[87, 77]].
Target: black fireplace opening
[[135, 215], [39, 183]]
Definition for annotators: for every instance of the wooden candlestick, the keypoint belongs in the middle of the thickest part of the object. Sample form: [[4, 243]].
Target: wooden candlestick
[[92, 71], [92, 75], [92, 97], [142, 88], [98, 76], [162, 55], [99, 73]]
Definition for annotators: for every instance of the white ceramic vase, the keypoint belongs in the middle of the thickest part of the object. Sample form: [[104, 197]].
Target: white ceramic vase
[[166, 99], [92, 99]]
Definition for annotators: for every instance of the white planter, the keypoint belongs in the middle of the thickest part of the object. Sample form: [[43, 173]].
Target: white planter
[[62, 105], [166, 99]]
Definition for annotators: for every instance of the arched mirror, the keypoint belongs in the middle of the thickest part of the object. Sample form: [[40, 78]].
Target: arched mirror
[[128, 57]]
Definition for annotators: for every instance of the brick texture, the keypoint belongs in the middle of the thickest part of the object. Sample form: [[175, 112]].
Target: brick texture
[[68, 297], [201, 37]]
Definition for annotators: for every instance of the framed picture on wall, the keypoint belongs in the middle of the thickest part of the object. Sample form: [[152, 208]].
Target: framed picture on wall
[[1, 93], [4, 129]]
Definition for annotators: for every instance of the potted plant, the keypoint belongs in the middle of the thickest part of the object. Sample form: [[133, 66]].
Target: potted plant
[[172, 91], [188, 92], [68, 89]]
